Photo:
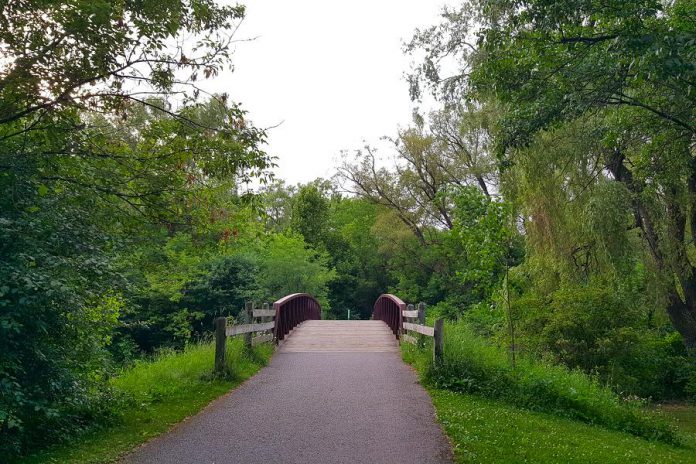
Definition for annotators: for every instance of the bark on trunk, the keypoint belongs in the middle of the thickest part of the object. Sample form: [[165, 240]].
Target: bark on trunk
[[683, 317], [681, 307]]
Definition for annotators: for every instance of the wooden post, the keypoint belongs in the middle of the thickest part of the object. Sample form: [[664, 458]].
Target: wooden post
[[421, 321], [249, 310], [404, 332], [410, 307], [265, 306], [220, 344], [421, 313], [438, 344]]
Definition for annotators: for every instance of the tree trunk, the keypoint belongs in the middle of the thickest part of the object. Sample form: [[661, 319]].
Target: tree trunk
[[681, 307], [683, 317], [482, 185]]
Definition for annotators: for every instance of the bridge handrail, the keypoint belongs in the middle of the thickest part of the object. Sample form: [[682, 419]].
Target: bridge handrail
[[405, 321], [389, 308], [292, 310]]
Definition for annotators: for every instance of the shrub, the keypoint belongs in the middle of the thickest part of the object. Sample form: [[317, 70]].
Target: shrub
[[606, 332], [473, 365]]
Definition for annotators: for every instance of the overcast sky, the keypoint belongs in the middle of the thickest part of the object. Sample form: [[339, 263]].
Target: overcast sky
[[331, 72]]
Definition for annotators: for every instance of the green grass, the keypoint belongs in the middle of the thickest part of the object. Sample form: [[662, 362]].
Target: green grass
[[158, 394], [682, 415], [474, 397], [473, 365], [487, 431]]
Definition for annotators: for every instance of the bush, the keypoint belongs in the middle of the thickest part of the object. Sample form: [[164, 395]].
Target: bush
[[486, 319], [473, 365], [606, 332]]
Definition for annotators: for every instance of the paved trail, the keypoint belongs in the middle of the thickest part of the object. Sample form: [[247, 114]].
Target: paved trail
[[346, 397]]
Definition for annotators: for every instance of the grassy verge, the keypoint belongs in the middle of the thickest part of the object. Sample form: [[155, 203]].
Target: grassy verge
[[473, 365], [488, 431], [157, 395], [486, 423]]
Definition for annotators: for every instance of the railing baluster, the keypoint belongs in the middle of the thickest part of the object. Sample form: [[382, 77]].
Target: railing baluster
[[293, 310], [389, 308]]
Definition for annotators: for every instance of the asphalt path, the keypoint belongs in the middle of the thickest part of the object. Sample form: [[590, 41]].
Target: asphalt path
[[312, 407]]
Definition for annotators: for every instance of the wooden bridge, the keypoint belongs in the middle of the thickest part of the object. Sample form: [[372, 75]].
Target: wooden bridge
[[334, 392], [341, 336], [295, 324]]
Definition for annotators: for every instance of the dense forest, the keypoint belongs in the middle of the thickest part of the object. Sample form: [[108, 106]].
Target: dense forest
[[549, 203]]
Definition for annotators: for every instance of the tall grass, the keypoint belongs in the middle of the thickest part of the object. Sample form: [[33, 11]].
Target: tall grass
[[471, 364], [171, 373], [153, 395]]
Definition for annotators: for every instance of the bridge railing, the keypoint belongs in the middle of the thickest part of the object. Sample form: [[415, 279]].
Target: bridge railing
[[389, 308], [273, 324], [293, 310], [407, 321]]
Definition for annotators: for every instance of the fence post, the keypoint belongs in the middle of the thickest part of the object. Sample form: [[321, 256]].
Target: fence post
[[421, 321], [220, 344], [265, 306], [404, 332], [421, 313], [249, 310], [438, 341], [410, 307]]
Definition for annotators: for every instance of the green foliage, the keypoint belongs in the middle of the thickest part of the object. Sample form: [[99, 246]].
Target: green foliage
[[341, 232], [277, 199], [310, 215], [490, 240], [122, 232], [180, 284], [62, 51], [184, 292], [57, 311], [606, 331], [596, 129], [421, 273], [229, 282], [288, 265], [361, 271], [473, 365], [92, 167], [154, 395]]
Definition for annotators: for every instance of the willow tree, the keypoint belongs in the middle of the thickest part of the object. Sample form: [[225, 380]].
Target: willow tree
[[630, 64]]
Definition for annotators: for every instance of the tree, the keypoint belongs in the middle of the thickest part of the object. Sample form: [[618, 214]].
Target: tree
[[94, 157], [464, 136], [430, 161], [630, 64], [361, 270], [277, 199], [92, 55], [310, 215], [489, 240], [288, 266]]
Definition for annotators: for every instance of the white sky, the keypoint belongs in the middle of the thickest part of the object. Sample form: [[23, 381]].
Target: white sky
[[330, 71]]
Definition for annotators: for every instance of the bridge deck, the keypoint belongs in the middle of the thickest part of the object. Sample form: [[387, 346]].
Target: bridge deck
[[341, 336]]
